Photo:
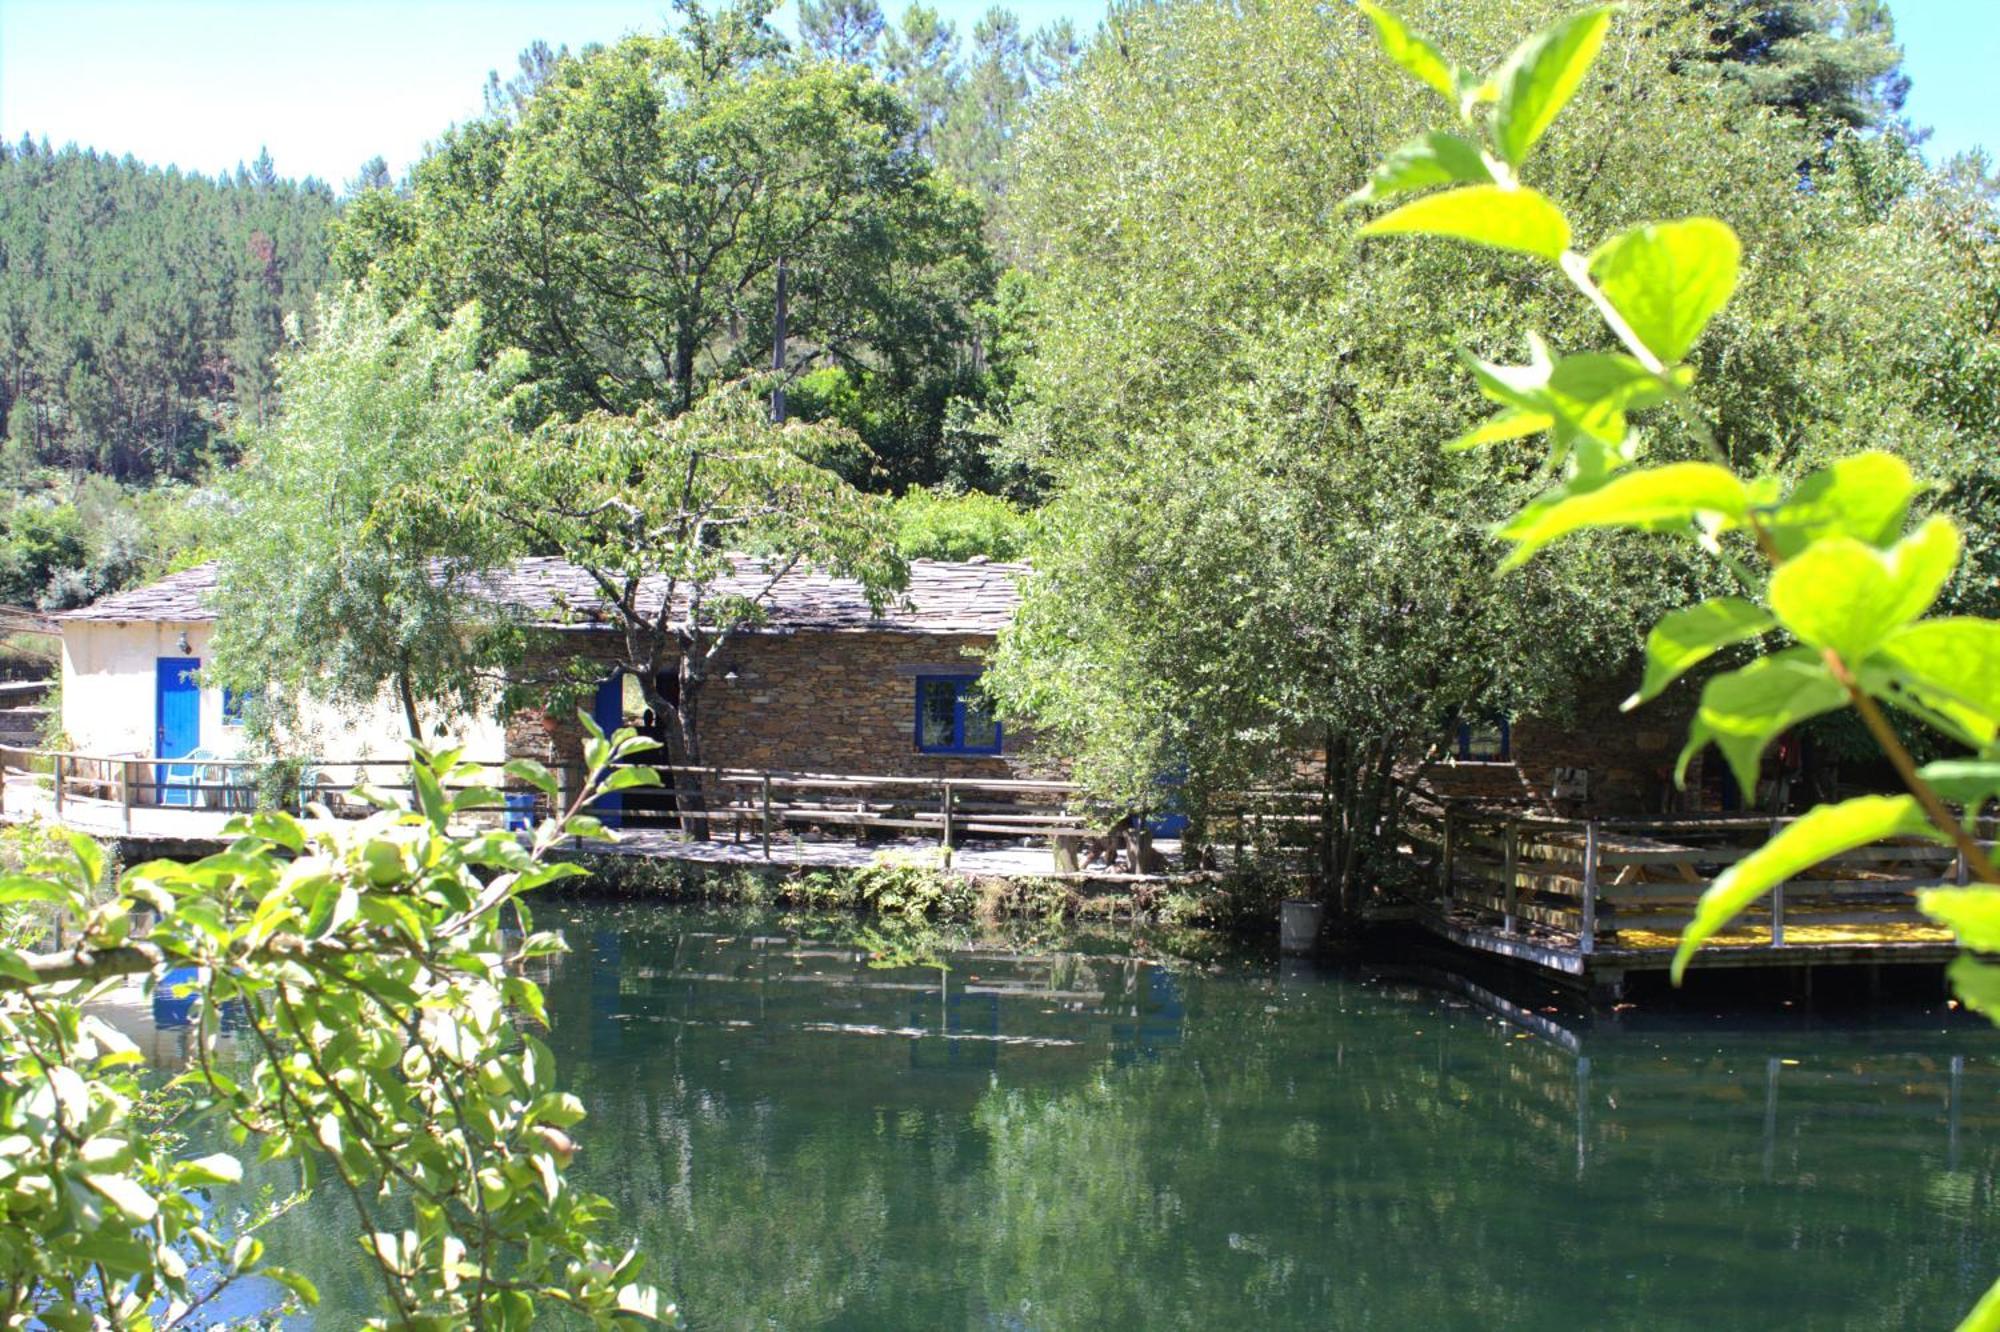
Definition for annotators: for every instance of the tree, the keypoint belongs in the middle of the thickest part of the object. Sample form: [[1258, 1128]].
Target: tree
[[684, 526], [1247, 550], [385, 1012], [626, 226], [843, 30], [919, 56], [1834, 63], [140, 307], [326, 591], [536, 64]]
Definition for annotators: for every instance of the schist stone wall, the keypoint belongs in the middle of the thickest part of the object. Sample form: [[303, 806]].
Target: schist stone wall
[[1602, 761], [813, 702]]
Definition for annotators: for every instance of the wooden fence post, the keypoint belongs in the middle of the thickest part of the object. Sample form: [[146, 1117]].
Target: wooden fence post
[[1511, 855], [125, 793], [1586, 940], [59, 785], [1777, 899], [945, 805], [767, 815], [1446, 854]]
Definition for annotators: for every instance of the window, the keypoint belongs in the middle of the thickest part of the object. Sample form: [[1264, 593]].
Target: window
[[233, 703], [1487, 741], [953, 717]]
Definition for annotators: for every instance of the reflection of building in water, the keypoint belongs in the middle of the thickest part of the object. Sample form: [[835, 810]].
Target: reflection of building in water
[[774, 996]]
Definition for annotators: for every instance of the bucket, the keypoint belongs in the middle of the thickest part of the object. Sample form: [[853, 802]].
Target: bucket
[[1298, 924]]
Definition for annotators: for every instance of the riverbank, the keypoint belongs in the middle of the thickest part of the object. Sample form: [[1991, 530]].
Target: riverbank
[[919, 887]]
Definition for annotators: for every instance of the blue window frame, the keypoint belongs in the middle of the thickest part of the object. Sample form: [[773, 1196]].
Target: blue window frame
[[233, 703], [1488, 741], [953, 717]]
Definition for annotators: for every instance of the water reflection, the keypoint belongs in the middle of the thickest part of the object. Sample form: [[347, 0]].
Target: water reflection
[[1021, 1137]]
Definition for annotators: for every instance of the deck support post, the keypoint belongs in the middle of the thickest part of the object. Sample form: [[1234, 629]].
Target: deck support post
[[1962, 872], [945, 807], [1777, 897], [1586, 937], [766, 797], [1511, 857], [58, 761], [1446, 854], [125, 793]]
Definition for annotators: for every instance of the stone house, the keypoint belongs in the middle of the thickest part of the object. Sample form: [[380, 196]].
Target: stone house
[[823, 683]]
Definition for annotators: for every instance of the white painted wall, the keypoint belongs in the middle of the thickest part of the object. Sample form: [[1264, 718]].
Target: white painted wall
[[109, 678]]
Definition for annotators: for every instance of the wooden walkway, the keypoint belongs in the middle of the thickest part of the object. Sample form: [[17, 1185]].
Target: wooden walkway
[[1601, 900]]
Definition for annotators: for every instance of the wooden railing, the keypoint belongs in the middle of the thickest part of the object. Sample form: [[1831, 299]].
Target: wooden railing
[[1583, 883], [740, 803]]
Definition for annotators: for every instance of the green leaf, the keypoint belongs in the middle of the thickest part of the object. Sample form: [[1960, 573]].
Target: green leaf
[[1866, 497], [1973, 914], [1513, 423], [1845, 595], [1977, 985], [1593, 392], [623, 779], [1746, 709], [1967, 782], [1686, 638], [1518, 219], [89, 857], [1540, 77], [1656, 498], [534, 774], [1430, 159], [430, 795], [1826, 831], [32, 888], [1668, 279], [1413, 52], [1956, 658], [221, 1168], [124, 1193]]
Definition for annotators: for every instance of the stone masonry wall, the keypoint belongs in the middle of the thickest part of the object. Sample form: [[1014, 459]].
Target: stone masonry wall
[[811, 702]]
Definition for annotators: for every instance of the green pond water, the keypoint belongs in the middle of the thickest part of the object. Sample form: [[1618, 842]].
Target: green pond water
[[1074, 1134]]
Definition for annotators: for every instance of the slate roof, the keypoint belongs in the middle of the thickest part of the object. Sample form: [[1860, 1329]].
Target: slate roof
[[942, 598]]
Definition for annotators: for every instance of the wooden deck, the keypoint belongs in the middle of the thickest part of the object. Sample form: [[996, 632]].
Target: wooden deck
[[799, 841], [1601, 900]]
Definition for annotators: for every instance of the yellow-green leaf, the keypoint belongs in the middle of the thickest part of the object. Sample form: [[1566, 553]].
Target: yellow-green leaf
[[1668, 279], [1658, 497], [1824, 832], [1413, 51], [1972, 913], [1540, 77], [1518, 219], [1744, 710], [1844, 594], [1866, 497], [1957, 658], [1686, 638], [1510, 424], [1429, 159]]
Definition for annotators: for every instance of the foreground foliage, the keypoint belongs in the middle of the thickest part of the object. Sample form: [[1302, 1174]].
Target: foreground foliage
[[371, 977], [1831, 568]]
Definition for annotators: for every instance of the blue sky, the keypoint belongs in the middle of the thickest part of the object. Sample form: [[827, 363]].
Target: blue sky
[[329, 83]]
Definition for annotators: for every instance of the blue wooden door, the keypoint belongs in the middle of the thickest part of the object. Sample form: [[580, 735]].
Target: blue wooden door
[[177, 710], [608, 711]]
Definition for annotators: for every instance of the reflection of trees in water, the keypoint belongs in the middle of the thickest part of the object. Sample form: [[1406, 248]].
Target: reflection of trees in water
[[1183, 1148], [1375, 1160]]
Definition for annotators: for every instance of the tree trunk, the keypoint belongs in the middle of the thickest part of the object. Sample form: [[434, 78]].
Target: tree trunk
[[691, 797], [408, 697]]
